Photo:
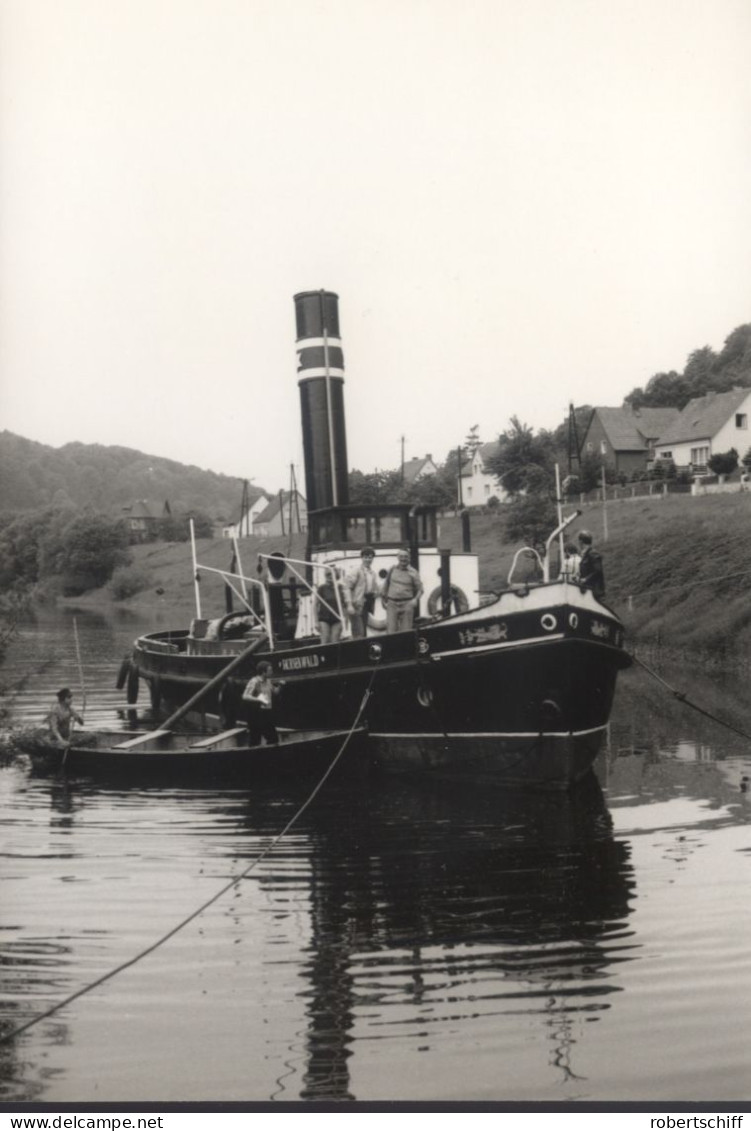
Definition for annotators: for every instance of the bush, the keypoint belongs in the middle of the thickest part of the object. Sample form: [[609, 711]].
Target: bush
[[723, 463], [127, 581]]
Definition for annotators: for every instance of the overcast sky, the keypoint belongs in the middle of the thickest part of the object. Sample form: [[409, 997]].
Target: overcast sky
[[519, 202]]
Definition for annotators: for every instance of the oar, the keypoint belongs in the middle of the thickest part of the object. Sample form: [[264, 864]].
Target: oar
[[83, 688], [80, 667], [212, 683]]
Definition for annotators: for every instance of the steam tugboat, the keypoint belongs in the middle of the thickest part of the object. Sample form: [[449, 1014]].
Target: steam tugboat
[[517, 689]]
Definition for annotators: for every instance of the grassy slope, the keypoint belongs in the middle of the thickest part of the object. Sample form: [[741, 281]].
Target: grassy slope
[[671, 557]]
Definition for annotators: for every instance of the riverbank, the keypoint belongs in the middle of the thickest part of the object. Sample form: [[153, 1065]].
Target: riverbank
[[677, 569]]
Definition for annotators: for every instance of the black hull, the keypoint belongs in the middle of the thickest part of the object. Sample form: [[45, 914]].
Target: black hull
[[521, 696]]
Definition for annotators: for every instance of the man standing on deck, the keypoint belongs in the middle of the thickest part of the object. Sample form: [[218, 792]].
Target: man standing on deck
[[363, 586], [591, 573], [401, 594]]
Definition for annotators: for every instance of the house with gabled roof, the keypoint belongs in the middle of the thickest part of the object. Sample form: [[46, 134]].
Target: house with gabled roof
[[478, 484], [414, 469], [707, 426], [143, 518], [245, 523], [286, 513], [625, 438]]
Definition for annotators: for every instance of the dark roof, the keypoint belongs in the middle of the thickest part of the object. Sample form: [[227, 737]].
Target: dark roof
[[704, 416], [630, 430], [487, 451], [413, 467], [275, 505], [143, 508]]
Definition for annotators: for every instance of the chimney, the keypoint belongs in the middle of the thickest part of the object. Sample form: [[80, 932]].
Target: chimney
[[320, 369]]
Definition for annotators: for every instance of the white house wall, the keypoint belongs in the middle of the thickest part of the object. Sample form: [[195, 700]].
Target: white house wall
[[478, 487], [729, 436], [681, 453]]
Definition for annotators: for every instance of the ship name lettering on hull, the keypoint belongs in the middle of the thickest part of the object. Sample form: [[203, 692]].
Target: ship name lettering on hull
[[484, 635], [296, 663]]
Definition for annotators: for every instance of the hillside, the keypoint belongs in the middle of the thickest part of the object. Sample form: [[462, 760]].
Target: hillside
[[677, 570], [107, 478]]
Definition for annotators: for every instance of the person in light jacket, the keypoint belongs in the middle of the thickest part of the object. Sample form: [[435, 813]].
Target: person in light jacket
[[364, 586]]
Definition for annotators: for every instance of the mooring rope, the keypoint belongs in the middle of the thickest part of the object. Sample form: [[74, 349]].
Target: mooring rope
[[214, 898], [683, 698]]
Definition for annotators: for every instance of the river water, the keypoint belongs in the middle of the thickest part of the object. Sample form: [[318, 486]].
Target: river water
[[403, 942]]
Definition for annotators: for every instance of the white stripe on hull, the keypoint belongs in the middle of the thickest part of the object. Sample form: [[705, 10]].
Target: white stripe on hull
[[489, 733]]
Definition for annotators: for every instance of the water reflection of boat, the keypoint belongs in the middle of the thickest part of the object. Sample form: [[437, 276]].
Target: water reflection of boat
[[500, 904], [518, 688], [166, 756]]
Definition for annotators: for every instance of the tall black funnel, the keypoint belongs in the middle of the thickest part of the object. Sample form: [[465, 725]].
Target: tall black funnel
[[320, 368]]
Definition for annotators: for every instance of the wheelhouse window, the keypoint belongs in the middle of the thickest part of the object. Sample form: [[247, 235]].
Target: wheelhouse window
[[373, 525]]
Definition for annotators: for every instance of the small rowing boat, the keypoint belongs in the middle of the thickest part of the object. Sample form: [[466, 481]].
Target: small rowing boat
[[176, 757]]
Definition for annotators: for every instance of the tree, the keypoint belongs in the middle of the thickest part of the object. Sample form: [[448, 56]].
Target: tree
[[530, 519], [699, 369], [734, 361], [664, 390], [521, 458], [83, 550], [21, 546], [591, 472], [202, 524], [472, 440]]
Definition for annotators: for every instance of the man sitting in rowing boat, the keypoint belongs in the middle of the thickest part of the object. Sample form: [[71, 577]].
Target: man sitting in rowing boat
[[61, 718]]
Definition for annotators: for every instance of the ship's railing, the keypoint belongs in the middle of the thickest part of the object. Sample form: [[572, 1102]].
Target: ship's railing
[[238, 583], [543, 560], [312, 589]]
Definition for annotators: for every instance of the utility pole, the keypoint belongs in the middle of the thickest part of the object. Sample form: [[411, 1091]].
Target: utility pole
[[604, 507], [459, 499], [574, 456]]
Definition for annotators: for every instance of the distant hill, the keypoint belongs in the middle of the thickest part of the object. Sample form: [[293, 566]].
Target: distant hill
[[108, 478]]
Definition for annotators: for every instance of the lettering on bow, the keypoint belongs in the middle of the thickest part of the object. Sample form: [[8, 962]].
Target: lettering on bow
[[600, 630], [490, 635]]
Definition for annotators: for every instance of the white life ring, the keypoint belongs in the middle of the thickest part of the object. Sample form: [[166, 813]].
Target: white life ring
[[458, 600], [378, 624]]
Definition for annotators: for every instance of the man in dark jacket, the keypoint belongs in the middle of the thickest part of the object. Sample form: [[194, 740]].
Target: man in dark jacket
[[591, 573]]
